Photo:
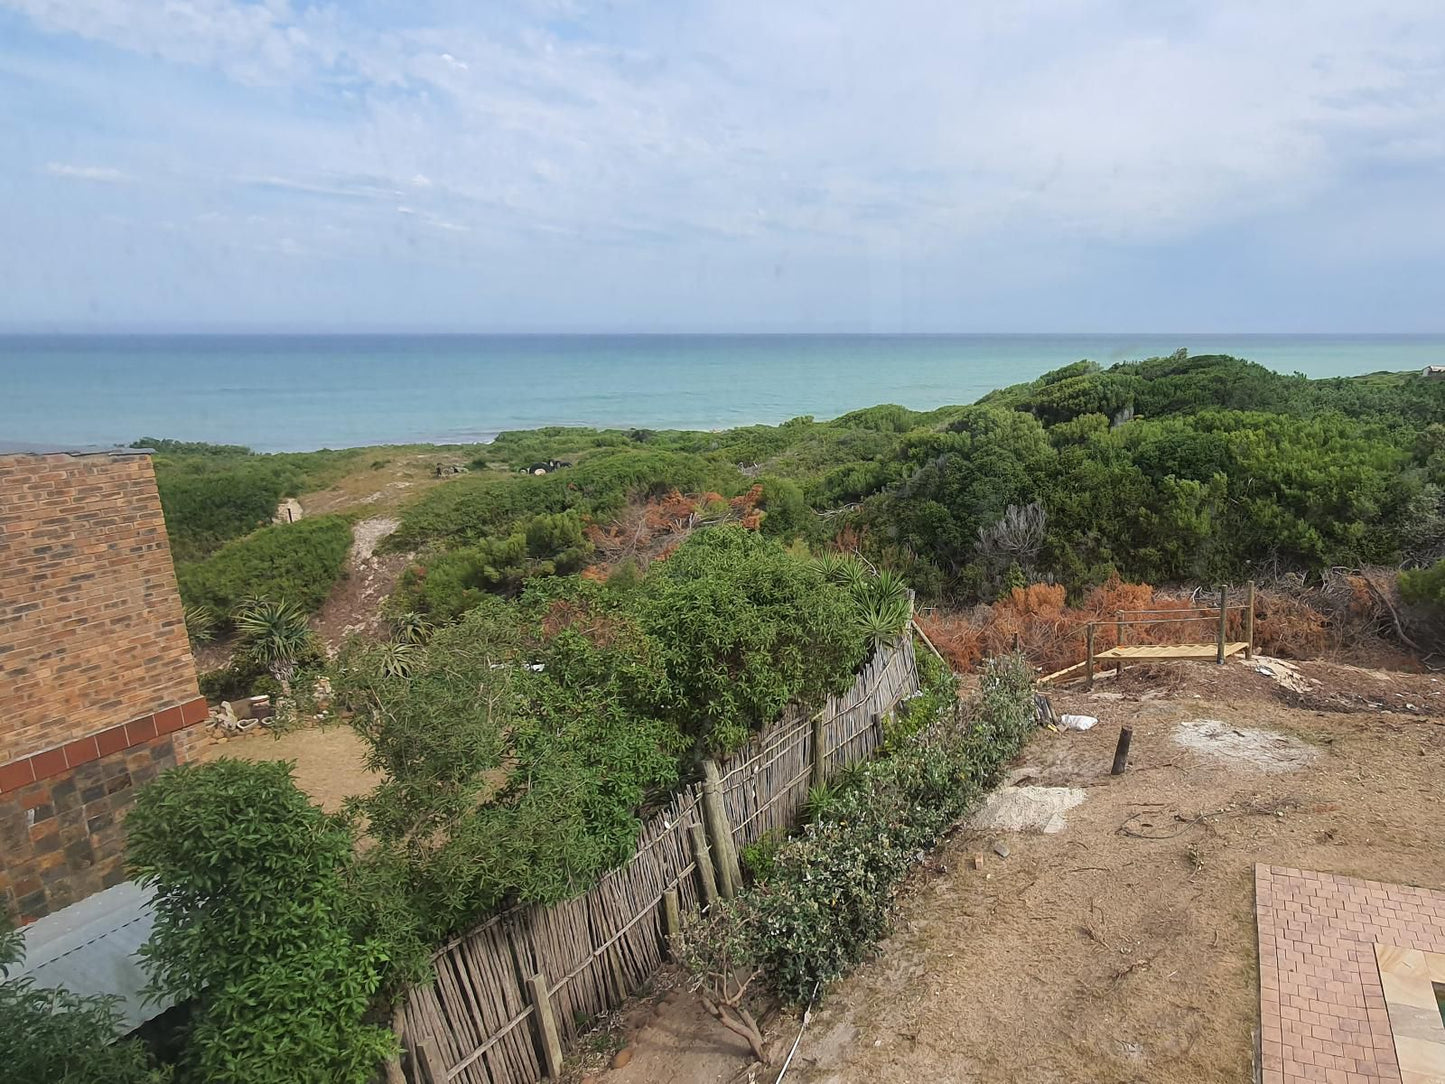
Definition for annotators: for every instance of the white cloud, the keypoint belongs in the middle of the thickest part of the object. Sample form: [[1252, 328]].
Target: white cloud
[[830, 133], [85, 173]]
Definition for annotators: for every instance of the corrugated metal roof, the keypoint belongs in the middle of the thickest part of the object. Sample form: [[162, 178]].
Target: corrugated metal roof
[[90, 948]]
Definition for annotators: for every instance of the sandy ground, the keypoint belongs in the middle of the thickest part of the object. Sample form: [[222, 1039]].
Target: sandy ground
[[355, 605], [329, 762], [1122, 948]]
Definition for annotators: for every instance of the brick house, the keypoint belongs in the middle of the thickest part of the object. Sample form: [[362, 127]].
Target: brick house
[[97, 683]]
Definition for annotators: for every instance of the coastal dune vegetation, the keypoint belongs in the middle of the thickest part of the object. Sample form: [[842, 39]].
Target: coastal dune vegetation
[[565, 649]]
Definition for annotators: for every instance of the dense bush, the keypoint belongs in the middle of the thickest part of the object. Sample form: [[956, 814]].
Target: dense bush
[[828, 894], [255, 925], [298, 563], [1425, 586], [518, 751], [447, 584], [745, 628], [212, 493], [56, 1037]]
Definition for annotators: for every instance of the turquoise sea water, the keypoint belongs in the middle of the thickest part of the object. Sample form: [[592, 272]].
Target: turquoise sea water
[[296, 392]]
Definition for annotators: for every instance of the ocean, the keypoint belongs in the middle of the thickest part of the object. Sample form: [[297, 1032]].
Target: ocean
[[301, 392]]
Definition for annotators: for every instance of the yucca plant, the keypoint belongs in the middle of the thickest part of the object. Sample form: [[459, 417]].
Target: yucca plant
[[200, 624], [886, 586], [276, 635], [883, 620], [399, 658], [411, 628]]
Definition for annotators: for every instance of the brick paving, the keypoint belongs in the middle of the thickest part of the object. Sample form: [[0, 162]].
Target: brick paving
[[1323, 1014]]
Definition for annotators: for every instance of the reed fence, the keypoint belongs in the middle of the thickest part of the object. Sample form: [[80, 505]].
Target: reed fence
[[512, 993]]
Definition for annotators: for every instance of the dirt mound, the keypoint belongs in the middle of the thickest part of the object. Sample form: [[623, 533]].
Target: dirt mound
[[1026, 809]]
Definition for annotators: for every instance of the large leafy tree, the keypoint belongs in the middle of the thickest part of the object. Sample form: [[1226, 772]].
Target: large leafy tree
[[255, 925], [746, 628]]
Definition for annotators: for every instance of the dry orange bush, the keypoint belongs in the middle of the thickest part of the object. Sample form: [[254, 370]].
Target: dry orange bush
[[1051, 634]]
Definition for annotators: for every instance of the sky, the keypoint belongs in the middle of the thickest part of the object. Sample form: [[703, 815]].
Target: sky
[[723, 165]]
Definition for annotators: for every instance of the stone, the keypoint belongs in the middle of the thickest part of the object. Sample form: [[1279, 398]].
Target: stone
[[1000, 848], [622, 1057]]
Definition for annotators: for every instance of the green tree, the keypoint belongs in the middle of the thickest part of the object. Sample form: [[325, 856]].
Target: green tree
[[254, 924], [744, 629]]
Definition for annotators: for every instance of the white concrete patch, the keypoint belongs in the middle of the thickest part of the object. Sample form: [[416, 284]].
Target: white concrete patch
[[1026, 809], [1262, 750], [368, 534]]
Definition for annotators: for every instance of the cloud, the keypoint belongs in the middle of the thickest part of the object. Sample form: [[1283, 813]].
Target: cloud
[[842, 135], [85, 173]]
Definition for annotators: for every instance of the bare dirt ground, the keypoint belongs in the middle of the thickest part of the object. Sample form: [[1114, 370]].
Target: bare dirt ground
[[391, 477], [330, 764], [1122, 948], [355, 605]]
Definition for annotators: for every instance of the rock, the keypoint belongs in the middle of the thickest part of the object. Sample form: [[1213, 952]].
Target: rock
[[622, 1057], [1000, 848]]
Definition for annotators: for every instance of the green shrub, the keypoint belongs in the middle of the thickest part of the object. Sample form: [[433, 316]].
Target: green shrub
[[1424, 586], [298, 563], [254, 924], [56, 1037], [519, 749], [745, 628], [830, 893], [239, 679]]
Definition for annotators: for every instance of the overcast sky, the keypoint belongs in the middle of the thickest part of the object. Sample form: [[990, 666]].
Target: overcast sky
[[969, 165]]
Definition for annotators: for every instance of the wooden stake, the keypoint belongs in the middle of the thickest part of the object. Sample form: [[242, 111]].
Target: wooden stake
[[720, 833], [820, 752], [546, 1025], [394, 1075], [703, 860], [1223, 617], [1249, 620], [1119, 639], [433, 1071], [1121, 751], [671, 919], [1089, 658]]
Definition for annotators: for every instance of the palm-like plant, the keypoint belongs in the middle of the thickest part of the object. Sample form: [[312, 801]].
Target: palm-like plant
[[276, 635], [399, 658], [883, 620], [200, 624], [411, 628]]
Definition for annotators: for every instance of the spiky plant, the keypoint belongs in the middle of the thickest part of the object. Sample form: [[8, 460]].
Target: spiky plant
[[399, 658], [200, 624], [883, 620], [887, 586], [276, 635], [829, 562], [411, 628]]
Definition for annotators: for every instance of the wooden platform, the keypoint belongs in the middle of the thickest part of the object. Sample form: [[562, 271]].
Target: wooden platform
[[1170, 651]]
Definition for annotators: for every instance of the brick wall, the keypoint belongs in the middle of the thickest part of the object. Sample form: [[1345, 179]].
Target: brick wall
[[96, 676], [91, 633], [63, 839]]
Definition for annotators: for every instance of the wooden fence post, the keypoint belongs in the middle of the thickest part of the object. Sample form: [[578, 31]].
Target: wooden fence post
[[1223, 617], [1089, 657], [546, 1025], [433, 1071], [703, 861], [720, 833], [1119, 639], [394, 1074], [671, 920], [820, 751], [1249, 620]]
